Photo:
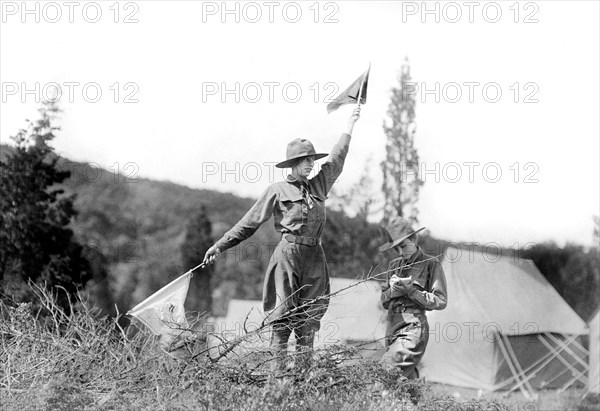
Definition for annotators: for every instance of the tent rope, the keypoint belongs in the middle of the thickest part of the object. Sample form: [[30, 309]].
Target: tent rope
[[526, 391], [562, 346], [575, 356], [574, 370], [536, 367], [517, 364]]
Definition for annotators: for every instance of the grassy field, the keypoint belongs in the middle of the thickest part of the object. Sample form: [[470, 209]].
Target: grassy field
[[547, 400], [80, 361]]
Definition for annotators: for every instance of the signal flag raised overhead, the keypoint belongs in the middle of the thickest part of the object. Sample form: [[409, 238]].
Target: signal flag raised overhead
[[355, 92]]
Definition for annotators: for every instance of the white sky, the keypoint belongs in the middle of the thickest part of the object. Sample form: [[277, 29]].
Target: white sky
[[176, 132]]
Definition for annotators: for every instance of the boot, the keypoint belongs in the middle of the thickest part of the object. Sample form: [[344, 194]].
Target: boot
[[280, 335], [305, 338]]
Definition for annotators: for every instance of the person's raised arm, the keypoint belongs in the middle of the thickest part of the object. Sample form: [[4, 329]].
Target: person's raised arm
[[334, 165], [352, 120]]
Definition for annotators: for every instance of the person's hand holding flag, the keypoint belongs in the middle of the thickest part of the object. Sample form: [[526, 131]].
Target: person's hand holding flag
[[355, 93], [211, 255]]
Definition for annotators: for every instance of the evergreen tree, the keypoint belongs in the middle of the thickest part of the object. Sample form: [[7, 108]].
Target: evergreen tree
[[596, 233], [198, 240], [36, 242], [401, 179]]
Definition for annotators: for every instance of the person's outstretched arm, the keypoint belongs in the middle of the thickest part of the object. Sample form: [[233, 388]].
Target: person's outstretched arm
[[260, 212]]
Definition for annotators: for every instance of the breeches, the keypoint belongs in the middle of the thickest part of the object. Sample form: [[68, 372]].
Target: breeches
[[406, 338], [295, 293], [296, 285]]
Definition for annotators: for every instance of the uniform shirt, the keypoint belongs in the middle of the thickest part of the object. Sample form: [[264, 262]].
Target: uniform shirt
[[428, 291], [295, 211]]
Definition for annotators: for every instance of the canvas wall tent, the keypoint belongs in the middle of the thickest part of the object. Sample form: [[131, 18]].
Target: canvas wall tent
[[594, 375], [505, 327], [355, 316], [242, 316]]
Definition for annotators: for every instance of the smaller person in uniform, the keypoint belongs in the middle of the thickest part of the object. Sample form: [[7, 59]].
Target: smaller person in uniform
[[415, 283]]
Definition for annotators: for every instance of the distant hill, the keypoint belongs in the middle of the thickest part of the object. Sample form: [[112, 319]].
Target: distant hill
[[137, 228], [140, 225], [134, 230]]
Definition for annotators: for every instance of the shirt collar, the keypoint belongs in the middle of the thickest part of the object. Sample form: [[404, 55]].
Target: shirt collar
[[416, 256], [294, 180]]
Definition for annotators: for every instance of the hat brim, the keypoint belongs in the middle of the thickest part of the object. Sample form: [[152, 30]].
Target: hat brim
[[288, 163], [393, 244]]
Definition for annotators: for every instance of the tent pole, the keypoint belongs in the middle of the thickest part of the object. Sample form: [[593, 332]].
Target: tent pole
[[552, 354], [561, 359], [558, 342], [555, 378], [534, 368], [575, 378], [514, 372], [566, 369], [581, 348], [516, 362]]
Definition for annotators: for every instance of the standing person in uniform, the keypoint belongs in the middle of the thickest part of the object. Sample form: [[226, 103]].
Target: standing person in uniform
[[415, 283], [297, 277]]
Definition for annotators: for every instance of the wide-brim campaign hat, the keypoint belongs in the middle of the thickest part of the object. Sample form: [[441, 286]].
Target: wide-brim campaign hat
[[297, 149], [397, 231]]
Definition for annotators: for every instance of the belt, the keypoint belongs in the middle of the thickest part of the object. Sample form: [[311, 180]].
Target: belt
[[410, 310], [298, 239]]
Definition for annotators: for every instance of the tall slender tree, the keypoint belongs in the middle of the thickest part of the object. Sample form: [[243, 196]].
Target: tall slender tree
[[596, 233], [36, 242], [198, 240], [401, 178]]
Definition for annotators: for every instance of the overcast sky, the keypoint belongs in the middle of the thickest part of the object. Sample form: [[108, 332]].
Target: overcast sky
[[208, 96]]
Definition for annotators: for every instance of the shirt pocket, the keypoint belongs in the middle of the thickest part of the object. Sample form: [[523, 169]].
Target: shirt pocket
[[290, 204], [419, 276]]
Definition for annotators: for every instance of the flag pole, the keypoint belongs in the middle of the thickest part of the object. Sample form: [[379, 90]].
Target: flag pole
[[190, 272], [199, 266], [362, 84]]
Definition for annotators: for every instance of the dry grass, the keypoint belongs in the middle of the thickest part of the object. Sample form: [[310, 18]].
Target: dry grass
[[51, 360], [546, 400]]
